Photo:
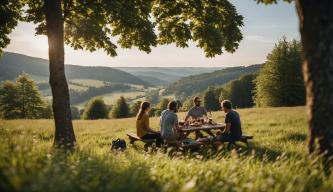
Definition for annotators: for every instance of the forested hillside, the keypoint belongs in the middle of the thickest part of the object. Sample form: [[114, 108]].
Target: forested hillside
[[196, 83], [165, 75]]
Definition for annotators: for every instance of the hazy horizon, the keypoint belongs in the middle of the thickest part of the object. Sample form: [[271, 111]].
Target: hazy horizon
[[263, 26]]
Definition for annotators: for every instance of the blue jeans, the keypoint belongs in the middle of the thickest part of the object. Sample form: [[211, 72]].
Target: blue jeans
[[156, 136]]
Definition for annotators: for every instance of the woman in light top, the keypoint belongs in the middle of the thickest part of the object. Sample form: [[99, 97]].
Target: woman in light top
[[143, 129]]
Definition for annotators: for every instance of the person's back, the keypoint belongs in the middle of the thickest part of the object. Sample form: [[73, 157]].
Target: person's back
[[233, 118], [141, 125], [168, 121]]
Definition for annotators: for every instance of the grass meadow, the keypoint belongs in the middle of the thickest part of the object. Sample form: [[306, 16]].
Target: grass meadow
[[277, 159]]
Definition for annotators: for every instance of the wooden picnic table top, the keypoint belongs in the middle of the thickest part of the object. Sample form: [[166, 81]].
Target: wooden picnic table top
[[188, 128]]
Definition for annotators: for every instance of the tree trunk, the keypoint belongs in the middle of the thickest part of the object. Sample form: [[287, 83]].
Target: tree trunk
[[64, 133], [316, 27]]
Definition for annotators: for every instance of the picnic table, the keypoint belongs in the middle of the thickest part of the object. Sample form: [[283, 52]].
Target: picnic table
[[187, 129], [203, 127]]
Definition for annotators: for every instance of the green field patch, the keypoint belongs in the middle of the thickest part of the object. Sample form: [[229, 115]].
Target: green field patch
[[77, 87], [88, 82], [111, 98]]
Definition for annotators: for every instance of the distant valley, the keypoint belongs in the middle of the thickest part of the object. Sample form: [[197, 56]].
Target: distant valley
[[134, 83]]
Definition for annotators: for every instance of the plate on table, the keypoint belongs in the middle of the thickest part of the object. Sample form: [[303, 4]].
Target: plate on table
[[196, 124]]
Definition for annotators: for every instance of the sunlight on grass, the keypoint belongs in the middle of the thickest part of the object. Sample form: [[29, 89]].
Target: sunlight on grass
[[276, 161]]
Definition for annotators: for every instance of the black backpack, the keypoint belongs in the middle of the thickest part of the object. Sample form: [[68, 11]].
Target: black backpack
[[118, 144]]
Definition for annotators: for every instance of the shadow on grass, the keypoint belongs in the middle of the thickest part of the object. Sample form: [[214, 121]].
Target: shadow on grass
[[297, 137], [255, 150], [82, 170], [270, 154]]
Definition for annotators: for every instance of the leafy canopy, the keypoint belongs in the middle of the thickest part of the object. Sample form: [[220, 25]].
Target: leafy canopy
[[280, 80], [96, 109], [240, 91], [211, 99], [90, 24], [22, 100]]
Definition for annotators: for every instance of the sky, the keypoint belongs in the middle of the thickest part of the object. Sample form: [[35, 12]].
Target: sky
[[263, 26]]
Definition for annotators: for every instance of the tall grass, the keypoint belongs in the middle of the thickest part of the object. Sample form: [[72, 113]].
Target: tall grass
[[277, 159]]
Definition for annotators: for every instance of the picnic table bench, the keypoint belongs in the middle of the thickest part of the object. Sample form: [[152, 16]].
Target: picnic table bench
[[133, 137], [148, 142], [243, 139]]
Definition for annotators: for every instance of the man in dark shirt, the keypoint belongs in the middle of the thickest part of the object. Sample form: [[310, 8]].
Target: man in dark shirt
[[233, 127]]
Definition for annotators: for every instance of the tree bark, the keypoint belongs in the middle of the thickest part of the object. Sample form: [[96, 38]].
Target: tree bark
[[316, 27], [64, 133]]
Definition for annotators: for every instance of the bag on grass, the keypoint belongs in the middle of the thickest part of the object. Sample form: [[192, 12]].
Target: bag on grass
[[118, 144]]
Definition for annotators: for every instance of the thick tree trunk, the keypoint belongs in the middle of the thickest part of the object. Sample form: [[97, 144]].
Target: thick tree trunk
[[316, 27], [64, 133]]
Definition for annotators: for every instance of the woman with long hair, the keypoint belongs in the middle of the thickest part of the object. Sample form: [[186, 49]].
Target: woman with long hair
[[143, 129]]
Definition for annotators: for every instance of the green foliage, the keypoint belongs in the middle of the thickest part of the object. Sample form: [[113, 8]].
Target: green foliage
[[95, 109], [213, 25], [9, 104], [187, 104], [134, 108], [10, 15], [211, 99], [47, 112], [240, 91], [280, 81], [277, 159], [120, 109], [194, 84], [162, 105], [21, 99]]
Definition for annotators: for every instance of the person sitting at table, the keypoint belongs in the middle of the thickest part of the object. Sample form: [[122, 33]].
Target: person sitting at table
[[233, 126], [143, 129], [170, 131], [196, 112]]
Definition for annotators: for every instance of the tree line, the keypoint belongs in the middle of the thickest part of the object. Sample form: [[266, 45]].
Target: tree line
[[279, 82]]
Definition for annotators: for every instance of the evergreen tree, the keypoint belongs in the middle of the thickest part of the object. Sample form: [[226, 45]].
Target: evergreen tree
[[280, 81], [120, 109], [95, 109], [211, 99], [135, 107]]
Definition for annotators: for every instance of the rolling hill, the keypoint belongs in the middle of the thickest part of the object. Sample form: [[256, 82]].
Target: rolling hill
[[165, 75], [12, 64], [190, 85]]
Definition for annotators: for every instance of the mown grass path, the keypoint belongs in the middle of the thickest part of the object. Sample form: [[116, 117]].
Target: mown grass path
[[276, 161]]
